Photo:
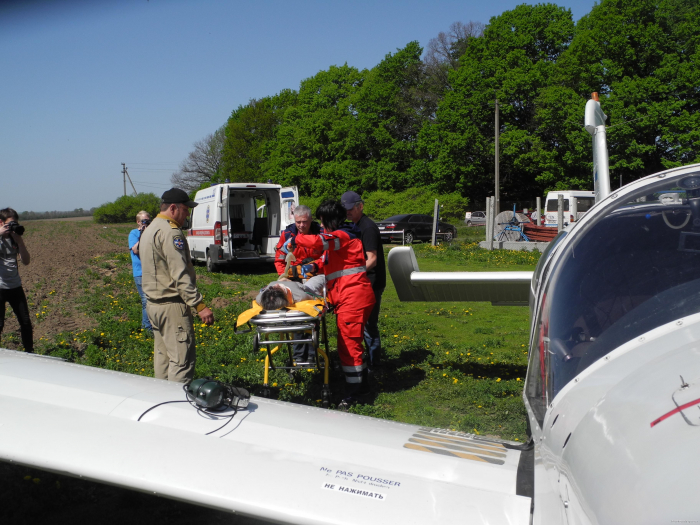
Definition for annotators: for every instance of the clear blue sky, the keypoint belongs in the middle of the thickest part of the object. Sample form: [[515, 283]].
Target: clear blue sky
[[89, 84]]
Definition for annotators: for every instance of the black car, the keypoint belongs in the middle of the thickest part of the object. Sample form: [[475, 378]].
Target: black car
[[415, 227]]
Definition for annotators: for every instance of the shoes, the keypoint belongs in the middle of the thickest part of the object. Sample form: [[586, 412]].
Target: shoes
[[347, 402]]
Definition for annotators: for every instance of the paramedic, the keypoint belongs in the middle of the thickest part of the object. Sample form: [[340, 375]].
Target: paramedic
[[307, 260], [143, 219], [349, 290], [307, 264], [376, 270], [170, 285], [12, 248]]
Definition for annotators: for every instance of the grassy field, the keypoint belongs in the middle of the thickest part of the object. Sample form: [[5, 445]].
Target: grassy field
[[450, 365]]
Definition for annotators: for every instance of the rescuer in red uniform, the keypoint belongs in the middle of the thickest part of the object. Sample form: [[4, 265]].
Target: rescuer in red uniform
[[349, 290], [308, 260], [307, 264]]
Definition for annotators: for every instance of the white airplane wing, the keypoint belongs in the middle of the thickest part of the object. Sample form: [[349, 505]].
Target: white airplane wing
[[500, 288], [350, 469]]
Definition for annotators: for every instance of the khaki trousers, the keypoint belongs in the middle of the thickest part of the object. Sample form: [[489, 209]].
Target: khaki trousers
[[174, 351]]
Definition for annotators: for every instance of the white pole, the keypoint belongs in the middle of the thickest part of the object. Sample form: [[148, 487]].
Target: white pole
[[435, 220], [560, 212]]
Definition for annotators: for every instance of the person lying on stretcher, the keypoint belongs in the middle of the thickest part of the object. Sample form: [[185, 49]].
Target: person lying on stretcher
[[283, 293]]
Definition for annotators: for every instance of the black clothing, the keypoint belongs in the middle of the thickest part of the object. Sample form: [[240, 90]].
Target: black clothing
[[18, 302], [372, 241]]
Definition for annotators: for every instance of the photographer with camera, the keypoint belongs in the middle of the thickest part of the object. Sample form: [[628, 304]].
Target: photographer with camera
[[12, 248], [143, 219]]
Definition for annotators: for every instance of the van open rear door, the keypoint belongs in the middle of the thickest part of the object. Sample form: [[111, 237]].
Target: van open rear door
[[289, 200]]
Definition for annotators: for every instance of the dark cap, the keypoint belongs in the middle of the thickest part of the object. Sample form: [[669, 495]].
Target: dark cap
[[177, 196], [350, 199]]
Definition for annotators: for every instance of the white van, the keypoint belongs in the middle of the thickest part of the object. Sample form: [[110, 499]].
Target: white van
[[584, 201], [239, 222]]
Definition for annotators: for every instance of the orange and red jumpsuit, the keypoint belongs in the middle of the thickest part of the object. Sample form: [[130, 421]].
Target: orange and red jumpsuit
[[349, 290], [301, 253]]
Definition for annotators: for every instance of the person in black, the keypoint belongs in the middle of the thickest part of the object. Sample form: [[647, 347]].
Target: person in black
[[376, 270], [12, 248]]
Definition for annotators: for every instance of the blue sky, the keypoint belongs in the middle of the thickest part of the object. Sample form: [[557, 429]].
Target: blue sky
[[89, 84]]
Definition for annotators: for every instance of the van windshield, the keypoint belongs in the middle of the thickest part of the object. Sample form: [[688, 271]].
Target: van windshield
[[636, 267]]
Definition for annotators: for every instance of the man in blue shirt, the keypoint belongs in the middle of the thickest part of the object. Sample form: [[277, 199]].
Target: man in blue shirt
[[143, 219]]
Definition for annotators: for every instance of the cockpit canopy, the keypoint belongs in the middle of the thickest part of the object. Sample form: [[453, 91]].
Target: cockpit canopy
[[633, 268]]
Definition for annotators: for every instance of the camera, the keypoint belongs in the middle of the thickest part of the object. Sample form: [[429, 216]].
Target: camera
[[146, 222], [15, 227]]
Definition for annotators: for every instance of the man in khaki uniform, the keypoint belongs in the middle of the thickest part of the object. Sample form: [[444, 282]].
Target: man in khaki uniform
[[170, 285]]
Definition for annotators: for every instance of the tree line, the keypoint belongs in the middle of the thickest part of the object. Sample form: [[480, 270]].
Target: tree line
[[427, 120], [36, 215]]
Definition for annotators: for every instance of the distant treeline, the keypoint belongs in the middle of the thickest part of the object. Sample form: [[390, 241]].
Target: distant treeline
[[412, 122], [35, 215]]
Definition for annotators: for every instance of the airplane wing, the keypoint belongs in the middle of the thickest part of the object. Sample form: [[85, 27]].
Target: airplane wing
[[278, 461], [500, 288]]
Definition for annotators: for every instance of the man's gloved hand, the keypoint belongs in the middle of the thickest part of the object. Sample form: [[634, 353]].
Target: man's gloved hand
[[308, 270]]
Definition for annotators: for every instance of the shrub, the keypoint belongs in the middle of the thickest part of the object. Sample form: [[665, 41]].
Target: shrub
[[125, 208], [382, 204]]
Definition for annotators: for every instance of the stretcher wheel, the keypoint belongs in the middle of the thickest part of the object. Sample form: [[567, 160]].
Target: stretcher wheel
[[256, 344]]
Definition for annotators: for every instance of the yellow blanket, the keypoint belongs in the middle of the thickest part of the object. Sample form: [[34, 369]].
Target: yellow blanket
[[312, 307]]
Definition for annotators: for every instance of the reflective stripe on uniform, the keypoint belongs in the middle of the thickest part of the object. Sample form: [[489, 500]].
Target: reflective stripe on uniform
[[337, 244], [325, 244], [351, 369], [347, 271], [282, 256], [352, 379]]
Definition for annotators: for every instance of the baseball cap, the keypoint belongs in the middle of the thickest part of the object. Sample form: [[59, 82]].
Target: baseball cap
[[349, 199], [178, 196]]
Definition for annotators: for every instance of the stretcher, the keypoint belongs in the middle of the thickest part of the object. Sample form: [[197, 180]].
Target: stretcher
[[275, 329]]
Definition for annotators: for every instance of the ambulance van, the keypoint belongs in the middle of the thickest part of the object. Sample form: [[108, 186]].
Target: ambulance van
[[239, 222], [584, 201]]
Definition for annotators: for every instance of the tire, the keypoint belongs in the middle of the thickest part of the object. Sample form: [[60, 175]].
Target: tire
[[211, 267], [408, 238], [469, 223], [448, 236]]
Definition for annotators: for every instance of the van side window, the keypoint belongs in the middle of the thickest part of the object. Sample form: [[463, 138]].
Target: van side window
[[552, 205]]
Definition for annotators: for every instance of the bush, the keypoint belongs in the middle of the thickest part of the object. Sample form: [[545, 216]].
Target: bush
[[125, 208], [382, 204]]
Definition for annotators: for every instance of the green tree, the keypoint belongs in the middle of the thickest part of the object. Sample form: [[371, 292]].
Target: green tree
[[643, 59], [250, 133], [314, 142], [125, 208], [513, 61]]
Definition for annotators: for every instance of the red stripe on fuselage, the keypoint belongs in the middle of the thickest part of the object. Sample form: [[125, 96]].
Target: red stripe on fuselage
[[674, 411]]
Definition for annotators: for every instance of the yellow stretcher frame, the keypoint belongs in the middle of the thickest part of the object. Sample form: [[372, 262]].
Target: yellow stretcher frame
[[309, 318]]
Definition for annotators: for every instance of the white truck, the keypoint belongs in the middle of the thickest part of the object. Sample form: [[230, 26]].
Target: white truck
[[584, 201], [239, 222]]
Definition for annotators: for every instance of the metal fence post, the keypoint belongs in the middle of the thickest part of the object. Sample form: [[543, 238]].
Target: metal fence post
[[560, 212], [492, 223], [539, 212]]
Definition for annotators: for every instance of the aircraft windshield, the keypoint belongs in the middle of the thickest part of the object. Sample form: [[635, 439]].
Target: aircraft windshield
[[635, 268]]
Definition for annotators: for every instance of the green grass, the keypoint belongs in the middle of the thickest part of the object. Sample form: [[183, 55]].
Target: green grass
[[450, 365]]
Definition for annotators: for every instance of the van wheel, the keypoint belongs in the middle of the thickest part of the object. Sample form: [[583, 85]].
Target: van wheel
[[211, 267], [469, 223], [448, 236], [408, 238]]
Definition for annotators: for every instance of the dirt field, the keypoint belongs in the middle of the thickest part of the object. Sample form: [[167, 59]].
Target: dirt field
[[60, 251]]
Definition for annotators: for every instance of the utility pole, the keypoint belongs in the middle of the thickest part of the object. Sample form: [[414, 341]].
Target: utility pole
[[497, 206], [126, 175]]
